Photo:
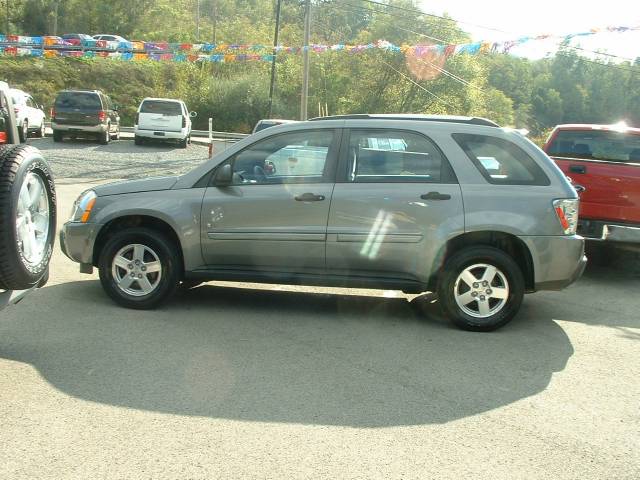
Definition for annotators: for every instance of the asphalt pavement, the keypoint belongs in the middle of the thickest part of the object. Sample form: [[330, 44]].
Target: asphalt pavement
[[255, 381]]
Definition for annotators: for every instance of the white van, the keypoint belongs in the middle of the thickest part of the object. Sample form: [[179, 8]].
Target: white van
[[163, 119], [30, 117]]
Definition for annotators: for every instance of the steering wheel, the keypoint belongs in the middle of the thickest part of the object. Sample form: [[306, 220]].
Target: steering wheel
[[258, 173]]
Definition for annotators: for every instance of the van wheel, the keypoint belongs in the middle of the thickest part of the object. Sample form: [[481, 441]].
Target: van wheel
[[137, 140], [105, 136], [57, 136], [481, 288], [41, 131], [23, 132], [139, 268], [184, 143], [27, 217]]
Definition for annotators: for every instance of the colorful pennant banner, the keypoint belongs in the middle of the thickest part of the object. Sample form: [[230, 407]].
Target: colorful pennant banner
[[50, 47]]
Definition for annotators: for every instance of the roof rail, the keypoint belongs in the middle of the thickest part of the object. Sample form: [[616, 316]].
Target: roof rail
[[408, 116]]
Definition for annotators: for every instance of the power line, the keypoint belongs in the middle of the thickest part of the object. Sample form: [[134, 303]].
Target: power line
[[422, 12], [406, 77], [609, 65], [598, 53]]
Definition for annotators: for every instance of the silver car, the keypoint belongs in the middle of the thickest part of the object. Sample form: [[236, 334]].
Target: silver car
[[452, 205]]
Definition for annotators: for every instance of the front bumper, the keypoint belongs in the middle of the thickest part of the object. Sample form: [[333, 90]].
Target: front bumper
[[603, 231], [161, 134], [62, 127], [77, 241]]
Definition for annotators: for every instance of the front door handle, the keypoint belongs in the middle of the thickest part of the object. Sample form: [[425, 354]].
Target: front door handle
[[435, 196], [309, 197], [577, 169]]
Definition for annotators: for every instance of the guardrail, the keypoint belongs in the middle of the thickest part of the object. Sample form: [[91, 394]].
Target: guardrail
[[204, 133], [196, 133]]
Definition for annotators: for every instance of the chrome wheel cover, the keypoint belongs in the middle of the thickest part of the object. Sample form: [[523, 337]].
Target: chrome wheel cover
[[136, 270], [32, 219], [481, 290]]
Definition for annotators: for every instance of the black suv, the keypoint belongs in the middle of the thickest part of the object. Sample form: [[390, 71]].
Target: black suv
[[81, 112]]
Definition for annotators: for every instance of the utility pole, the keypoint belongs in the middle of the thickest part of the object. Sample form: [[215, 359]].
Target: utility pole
[[198, 21], [305, 57], [55, 16], [273, 60], [214, 20]]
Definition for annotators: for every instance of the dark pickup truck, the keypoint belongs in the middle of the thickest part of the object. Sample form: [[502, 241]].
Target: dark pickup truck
[[605, 160]]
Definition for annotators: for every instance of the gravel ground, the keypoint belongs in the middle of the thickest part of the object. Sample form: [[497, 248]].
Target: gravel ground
[[82, 161]]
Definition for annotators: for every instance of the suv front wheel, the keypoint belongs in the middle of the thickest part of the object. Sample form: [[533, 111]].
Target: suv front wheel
[[481, 288], [139, 268]]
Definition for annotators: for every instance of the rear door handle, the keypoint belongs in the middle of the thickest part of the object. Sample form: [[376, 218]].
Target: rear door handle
[[577, 169], [309, 197], [435, 196]]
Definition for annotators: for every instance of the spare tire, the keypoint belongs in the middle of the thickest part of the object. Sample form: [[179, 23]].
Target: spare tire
[[27, 217]]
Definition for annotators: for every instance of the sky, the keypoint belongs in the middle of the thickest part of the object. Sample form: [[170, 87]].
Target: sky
[[561, 17]]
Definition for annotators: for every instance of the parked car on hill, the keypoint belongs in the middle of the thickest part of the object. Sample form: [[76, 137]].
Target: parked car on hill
[[110, 38], [85, 112], [165, 119], [30, 117], [77, 39], [605, 160], [27, 210], [391, 202]]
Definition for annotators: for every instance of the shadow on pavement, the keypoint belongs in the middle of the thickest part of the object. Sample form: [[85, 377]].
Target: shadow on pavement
[[115, 146], [278, 356]]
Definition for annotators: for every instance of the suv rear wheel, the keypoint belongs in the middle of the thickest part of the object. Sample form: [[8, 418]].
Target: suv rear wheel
[[481, 288], [139, 268], [104, 137], [57, 136]]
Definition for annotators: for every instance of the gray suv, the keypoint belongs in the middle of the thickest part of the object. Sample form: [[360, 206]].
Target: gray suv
[[452, 205]]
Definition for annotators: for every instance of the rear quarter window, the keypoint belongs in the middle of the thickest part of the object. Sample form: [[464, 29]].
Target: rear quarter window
[[500, 161], [161, 108]]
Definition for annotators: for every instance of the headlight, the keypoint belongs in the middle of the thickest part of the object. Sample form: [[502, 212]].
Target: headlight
[[82, 207]]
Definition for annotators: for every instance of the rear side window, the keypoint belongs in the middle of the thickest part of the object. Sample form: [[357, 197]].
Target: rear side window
[[161, 108], [394, 156], [597, 144], [79, 100], [500, 161]]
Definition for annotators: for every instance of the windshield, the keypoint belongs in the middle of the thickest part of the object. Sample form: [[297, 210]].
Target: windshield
[[78, 100], [161, 107], [596, 144]]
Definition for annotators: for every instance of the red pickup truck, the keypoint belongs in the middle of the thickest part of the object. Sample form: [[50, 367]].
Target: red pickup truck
[[605, 160]]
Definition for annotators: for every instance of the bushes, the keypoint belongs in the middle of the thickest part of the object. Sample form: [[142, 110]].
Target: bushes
[[236, 96]]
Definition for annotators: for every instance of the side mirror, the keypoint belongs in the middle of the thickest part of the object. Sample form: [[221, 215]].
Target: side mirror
[[116, 108], [193, 114], [224, 175], [41, 107]]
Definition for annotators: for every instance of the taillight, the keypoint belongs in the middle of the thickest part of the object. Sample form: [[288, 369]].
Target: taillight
[[53, 113], [102, 115], [3, 137], [137, 121], [567, 212], [16, 109], [184, 121]]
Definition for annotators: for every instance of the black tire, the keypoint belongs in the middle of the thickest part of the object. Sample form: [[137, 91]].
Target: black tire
[[16, 162], [57, 136], [41, 130], [105, 137], [23, 132], [169, 258], [137, 140], [183, 143], [480, 255]]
